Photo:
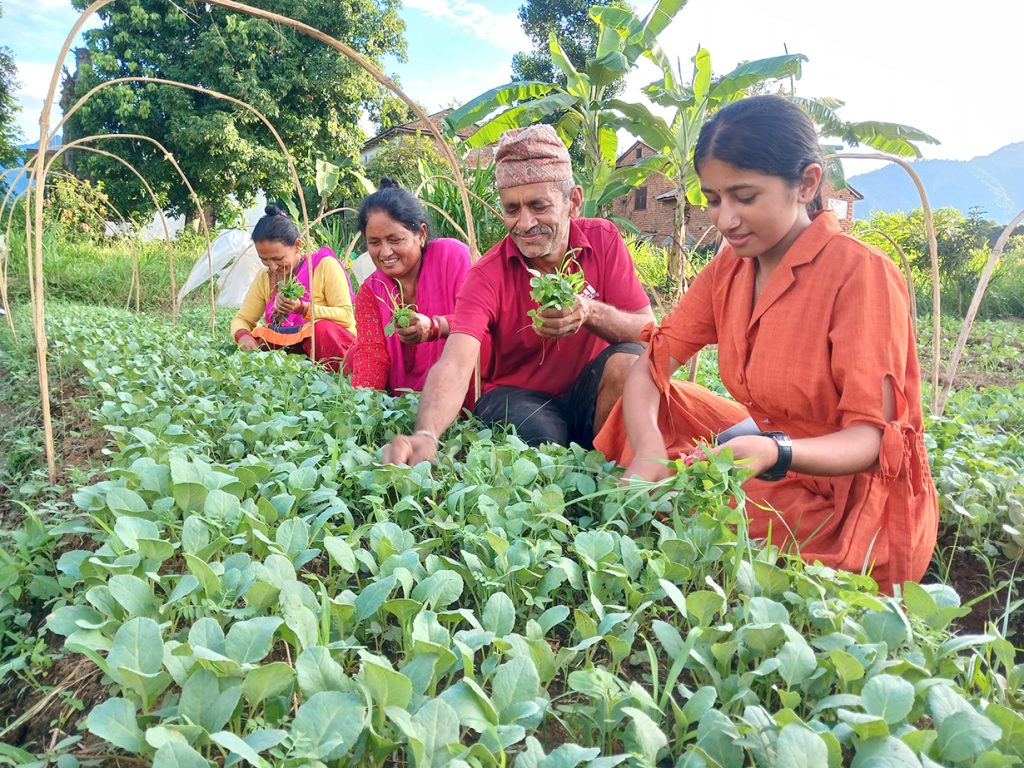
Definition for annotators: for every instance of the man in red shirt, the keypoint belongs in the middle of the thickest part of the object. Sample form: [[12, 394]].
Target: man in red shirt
[[556, 382]]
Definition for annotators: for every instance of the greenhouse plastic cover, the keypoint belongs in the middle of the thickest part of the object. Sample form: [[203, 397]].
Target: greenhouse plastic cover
[[234, 262]]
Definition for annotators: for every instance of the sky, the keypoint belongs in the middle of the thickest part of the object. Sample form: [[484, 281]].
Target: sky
[[945, 67]]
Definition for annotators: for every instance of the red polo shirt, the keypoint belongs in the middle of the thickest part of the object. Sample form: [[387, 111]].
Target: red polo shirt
[[496, 297]]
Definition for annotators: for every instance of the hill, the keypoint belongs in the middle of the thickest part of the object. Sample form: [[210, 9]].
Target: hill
[[994, 182]]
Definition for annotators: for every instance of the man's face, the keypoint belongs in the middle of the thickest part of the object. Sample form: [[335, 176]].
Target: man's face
[[537, 217]]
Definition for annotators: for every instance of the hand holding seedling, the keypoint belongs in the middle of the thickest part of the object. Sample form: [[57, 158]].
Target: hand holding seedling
[[559, 323], [248, 344], [418, 330], [289, 297]]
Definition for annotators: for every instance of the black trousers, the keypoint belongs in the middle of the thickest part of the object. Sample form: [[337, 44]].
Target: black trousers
[[542, 418]]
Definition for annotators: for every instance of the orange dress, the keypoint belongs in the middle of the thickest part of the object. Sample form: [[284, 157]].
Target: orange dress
[[808, 359]]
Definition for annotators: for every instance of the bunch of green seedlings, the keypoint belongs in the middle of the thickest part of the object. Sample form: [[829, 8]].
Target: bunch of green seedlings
[[557, 290], [401, 313]]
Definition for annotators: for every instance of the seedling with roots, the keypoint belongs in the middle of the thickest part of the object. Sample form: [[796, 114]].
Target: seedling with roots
[[401, 313], [290, 289], [558, 290]]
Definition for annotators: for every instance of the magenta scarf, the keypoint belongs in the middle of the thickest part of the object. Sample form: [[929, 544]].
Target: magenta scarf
[[442, 272], [302, 275]]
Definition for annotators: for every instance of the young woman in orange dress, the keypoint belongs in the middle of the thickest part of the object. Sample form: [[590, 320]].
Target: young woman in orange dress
[[268, 320], [816, 345]]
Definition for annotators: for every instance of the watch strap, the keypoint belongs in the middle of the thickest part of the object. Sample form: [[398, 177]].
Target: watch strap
[[785, 459]]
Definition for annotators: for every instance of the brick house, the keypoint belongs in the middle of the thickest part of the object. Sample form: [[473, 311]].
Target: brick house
[[481, 157], [651, 207]]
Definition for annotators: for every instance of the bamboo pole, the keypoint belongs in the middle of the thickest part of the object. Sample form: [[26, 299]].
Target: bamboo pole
[[933, 252], [972, 310], [21, 170], [470, 192]]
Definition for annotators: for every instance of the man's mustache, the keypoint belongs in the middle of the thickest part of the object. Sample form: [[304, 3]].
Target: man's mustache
[[537, 230]]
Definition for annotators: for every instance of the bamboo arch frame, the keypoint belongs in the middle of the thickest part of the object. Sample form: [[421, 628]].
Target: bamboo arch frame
[[972, 310], [78, 144], [225, 97], [906, 271], [21, 170], [160, 210], [933, 251], [34, 237]]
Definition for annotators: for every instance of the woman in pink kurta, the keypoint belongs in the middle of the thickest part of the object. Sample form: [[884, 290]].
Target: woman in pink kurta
[[816, 345]]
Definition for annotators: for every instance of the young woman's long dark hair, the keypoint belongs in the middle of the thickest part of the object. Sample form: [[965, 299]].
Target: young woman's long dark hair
[[766, 134]]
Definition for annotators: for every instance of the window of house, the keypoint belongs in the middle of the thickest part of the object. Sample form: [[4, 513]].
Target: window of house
[[641, 199], [639, 153], [841, 207]]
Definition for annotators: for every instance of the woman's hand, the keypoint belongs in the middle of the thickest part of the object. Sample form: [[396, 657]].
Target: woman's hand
[[650, 463], [248, 343], [418, 330], [754, 452], [285, 307]]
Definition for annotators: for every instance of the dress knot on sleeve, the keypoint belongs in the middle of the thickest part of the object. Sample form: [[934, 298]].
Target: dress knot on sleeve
[[658, 355], [901, 455]]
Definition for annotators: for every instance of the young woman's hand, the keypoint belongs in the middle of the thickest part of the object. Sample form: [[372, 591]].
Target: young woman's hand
[[754, 452], [649, 462], [418, 330]]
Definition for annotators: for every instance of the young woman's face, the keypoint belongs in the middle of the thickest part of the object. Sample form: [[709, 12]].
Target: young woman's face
[[759, 215], [279, 258], [394, 249]]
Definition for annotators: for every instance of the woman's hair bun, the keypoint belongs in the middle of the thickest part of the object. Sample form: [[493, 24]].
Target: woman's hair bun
[[388, 183], [273, 210]]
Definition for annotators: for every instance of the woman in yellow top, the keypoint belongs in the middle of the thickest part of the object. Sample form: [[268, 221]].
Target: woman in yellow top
[[269, 320]]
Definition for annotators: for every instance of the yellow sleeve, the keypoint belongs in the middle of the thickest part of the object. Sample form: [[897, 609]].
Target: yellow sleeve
[[253, 305], [331, 297]]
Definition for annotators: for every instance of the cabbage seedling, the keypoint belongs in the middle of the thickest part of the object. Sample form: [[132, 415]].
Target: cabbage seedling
[[557, 290], [401, 313]]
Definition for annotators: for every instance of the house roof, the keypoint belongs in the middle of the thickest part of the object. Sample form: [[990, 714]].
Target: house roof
[[632, 147], [416, 126]]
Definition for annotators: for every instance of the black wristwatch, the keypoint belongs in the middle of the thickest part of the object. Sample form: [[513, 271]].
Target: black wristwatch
[[785, 459]]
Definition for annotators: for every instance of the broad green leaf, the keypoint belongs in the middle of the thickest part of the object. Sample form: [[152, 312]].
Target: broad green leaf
[[124, 501], [133, 594], [341, 552], [514, 682], [440, 724], [207, 633], [329, 724], [372, 597], [205, 574], [114, 720], [476, 109], [233, 744], [138, 646], [885, 752], [963, 735], [796, 661], [701, 74], [317, 671], [327, 176], [203, 703], [499, 614], [439, 590], [130, 529], [669, 637], [643, 736], [521, 116], [888, 697], [387, 687], [250, 641], [745, 76], [800, 747], [576, 84], [175, 754], [267, 680]]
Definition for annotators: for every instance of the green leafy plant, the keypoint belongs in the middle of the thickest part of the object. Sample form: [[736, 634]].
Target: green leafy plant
[[556, 290], [401, 313]]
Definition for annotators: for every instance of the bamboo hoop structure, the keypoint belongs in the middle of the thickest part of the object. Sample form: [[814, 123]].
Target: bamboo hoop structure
[[152, 194], [906, 272], [470, 192], [217, 95], [933, 252], [39, 173], [972, 310], [325, 214], [78, 143], [447, 217], [21, 170]]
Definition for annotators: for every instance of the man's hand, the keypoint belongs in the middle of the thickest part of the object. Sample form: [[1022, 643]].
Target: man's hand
[[410, 449], [559, 323], [418, 330]]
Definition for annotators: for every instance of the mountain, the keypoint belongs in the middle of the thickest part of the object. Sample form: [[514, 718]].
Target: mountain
[[16, 178], [994, 182]]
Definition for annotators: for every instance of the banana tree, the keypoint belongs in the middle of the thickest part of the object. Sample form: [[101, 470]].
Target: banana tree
[[580, 110], [691, 105]]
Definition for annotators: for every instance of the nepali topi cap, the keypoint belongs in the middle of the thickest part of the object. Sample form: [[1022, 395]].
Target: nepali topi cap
[[531, 155]]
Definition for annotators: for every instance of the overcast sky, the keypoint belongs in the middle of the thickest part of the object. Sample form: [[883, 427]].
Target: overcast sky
[[948, 68]]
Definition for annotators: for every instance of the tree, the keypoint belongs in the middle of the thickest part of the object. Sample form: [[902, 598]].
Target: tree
[[399, 159], [580, 107], [570, 21], [9, 133], [312, 94]]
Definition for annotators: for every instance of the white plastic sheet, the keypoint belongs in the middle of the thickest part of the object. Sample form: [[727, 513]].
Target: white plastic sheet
[[234, 262]]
